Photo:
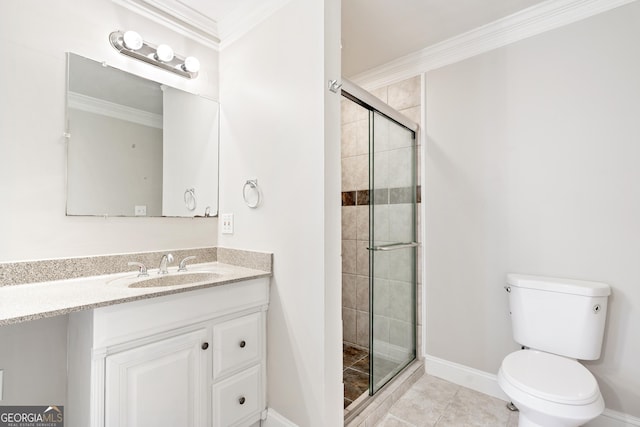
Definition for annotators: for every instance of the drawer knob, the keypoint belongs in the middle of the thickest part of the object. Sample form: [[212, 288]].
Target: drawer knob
[[241, 400], [205, 345], [243, 343]]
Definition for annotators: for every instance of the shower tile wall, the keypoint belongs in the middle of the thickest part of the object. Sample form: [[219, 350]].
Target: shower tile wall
[[355, 224], [404, 97]]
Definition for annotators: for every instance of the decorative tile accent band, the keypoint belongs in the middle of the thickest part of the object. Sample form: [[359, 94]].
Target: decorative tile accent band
[[362, 197], [381, 196], [348, 198], [17, 273]]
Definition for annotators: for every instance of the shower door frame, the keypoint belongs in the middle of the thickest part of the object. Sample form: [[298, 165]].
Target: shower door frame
[[374, 105], [391, 352]]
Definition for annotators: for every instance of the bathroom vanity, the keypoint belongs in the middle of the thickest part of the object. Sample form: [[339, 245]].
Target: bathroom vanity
[[189, 359], [186, 348]]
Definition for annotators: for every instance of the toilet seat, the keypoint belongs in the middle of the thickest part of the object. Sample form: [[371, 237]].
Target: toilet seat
[[550, 377]]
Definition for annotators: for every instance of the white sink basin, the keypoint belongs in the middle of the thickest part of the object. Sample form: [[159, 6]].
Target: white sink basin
[[175, 279], [171, 279]]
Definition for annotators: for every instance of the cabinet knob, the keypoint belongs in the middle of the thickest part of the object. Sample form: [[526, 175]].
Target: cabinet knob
[[205, 345], [241, 400], [243, 343]]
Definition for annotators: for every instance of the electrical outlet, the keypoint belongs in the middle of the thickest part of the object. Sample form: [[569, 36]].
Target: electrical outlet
[[140, 210], [227, 223]]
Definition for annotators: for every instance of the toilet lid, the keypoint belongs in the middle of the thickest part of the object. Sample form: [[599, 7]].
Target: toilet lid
[[550, 377]]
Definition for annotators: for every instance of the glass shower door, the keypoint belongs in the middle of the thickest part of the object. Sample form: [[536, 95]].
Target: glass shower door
[[392, 249]]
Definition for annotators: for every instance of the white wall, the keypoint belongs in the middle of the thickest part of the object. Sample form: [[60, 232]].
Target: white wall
[[332, 360], [279, 125], [34, 36], [532, 167]]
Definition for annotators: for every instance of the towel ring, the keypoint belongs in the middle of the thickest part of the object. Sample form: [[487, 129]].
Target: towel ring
[[190, 199], [253, 185]]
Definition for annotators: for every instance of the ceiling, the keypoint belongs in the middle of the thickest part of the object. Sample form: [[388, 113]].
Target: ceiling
[[375, 32]]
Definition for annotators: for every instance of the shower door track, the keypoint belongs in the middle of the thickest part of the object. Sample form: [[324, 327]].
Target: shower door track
[[360, 96]]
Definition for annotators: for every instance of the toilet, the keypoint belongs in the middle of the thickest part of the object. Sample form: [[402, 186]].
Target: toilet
[[558, 321]]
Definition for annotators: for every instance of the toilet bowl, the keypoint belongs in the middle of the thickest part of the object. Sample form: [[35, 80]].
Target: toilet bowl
[[550, 390], [561, 321]]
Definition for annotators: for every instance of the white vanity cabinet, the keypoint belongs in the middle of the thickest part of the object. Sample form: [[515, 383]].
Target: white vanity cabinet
[[190, 359]]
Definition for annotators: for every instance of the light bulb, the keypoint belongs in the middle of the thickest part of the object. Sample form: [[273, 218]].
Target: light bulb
[[164, 53], [132, 40], [191, 64]]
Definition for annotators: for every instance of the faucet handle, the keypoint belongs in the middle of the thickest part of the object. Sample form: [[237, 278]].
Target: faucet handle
[[164, 261], [142, 269], [183, 264]]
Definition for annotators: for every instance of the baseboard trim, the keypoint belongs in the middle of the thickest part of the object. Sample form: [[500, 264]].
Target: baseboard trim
[[611, 418], [465, 376], [274, 419], [487, 383]]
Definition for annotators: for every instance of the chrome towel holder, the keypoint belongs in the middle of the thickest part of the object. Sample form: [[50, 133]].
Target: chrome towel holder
[[190, 199], [252, 184]]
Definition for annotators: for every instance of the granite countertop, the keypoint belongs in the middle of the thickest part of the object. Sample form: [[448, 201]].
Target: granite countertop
[[30, 301]]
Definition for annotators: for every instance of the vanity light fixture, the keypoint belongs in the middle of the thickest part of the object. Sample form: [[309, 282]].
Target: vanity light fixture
[[132, 40], [164, 53], [130, 43]]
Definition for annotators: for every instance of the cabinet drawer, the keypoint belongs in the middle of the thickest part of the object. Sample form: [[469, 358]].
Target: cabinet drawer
[[237, 400], [237, 344]]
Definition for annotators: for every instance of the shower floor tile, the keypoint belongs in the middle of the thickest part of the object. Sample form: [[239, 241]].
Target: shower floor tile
[[352, 355], [362, 365], [355, 383], [355, 372]]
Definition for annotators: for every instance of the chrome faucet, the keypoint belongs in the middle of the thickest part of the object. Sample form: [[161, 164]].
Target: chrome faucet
[[183, 264], [142, 269], [164, 261]]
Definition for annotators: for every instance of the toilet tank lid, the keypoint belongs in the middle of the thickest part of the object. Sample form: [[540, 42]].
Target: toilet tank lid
[[554, 284]]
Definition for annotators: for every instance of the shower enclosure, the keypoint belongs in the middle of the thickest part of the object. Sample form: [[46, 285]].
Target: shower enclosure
[[385, 261]]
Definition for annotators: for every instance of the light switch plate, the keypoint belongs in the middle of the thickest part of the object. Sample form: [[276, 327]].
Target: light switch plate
[[227, 223]]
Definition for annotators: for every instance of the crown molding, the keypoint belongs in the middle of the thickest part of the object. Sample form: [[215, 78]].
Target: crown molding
[[90, 104], [186, 14], [187, 21], [529, 22], [178, 18]]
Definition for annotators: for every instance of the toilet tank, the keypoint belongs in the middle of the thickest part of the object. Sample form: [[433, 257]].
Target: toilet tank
[[560, 316]]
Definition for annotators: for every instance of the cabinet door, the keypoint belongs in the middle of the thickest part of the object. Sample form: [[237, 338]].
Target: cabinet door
[[161, 384]]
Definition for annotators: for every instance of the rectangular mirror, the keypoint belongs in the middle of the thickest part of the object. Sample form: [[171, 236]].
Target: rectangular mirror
[[136, 147]]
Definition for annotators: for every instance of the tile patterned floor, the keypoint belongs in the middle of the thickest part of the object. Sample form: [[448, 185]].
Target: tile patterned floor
[[435, 402], [355, 372]]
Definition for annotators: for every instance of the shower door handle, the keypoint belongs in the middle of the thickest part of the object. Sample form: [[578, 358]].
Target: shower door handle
[[394, 246]]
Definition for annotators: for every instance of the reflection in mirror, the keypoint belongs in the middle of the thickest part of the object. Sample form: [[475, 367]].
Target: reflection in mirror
[[136, 147]]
